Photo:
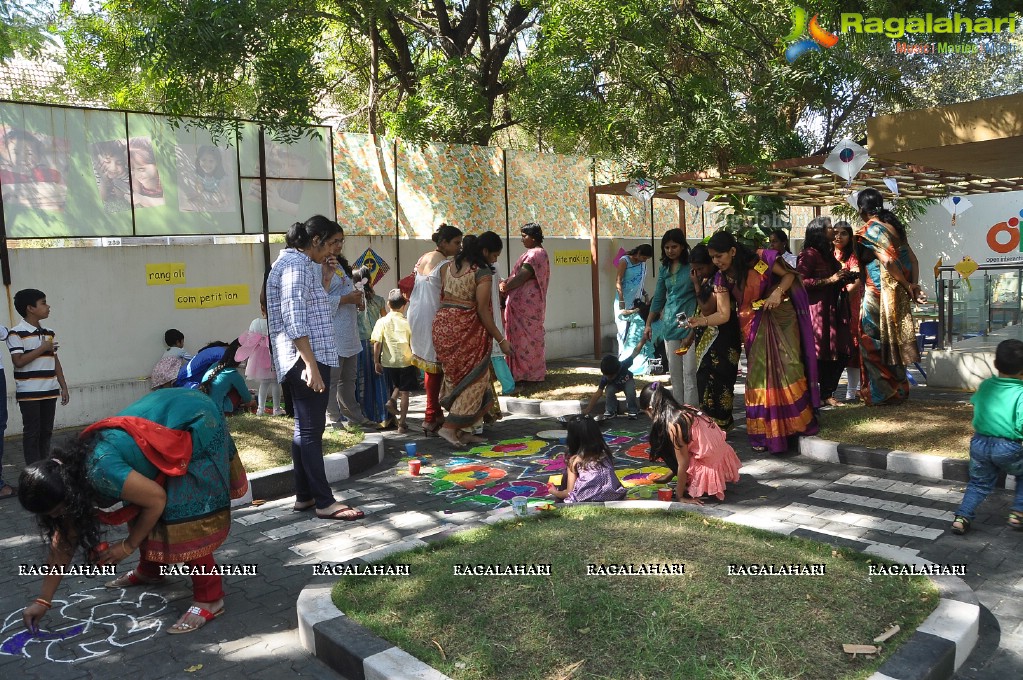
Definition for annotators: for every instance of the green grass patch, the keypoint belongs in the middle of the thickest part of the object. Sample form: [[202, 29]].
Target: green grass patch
[[700, 625], [938, 428], [264, 442]]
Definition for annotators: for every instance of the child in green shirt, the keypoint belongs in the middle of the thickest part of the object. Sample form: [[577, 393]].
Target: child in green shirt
[[997, 444]]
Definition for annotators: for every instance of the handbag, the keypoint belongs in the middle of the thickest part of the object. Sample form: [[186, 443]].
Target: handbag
[[406, 285]]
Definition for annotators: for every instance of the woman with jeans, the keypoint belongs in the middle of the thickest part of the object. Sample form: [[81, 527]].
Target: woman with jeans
[[302, 334], [673, 295]]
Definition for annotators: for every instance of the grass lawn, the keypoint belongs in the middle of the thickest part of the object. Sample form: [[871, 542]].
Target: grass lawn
[[572, 383], [265, 441], [700, 625], [938, 428]]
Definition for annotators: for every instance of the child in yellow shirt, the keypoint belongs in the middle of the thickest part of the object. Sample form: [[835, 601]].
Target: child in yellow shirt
[[393, 353]]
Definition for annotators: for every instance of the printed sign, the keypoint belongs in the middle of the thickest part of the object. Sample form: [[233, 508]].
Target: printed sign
[[165, 274], [570, 257], [210, 296]]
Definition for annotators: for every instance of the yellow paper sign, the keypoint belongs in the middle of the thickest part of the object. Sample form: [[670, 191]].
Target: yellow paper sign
[[570, 257], [210, 296], [761, 267], [165, 274]]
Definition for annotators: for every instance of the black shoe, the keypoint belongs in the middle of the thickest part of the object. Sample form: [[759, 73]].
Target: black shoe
[[602, 417], [633, 416]]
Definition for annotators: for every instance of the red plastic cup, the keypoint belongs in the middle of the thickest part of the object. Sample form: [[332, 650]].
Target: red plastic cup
[[413, 467], [665, 494]]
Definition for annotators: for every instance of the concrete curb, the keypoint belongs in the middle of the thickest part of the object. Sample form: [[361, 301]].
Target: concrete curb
[[936, 649], [920, 464], [280, 481], [541, 407]]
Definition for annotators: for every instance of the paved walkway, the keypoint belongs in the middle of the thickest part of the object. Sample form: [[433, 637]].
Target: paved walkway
[[120, 633]]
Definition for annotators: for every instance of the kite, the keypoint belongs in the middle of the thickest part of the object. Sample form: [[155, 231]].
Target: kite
[[642, 187], [693, 196], [376, 264], [846, 160], [956, 205]]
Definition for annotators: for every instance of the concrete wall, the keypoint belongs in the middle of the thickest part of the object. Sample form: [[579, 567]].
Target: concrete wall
[[110, 324]]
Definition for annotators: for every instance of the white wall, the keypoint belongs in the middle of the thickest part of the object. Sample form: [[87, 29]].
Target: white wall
[[110, 324], [933, 235]]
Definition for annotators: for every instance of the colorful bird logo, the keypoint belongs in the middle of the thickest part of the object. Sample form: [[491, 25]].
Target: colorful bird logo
[[818, 36]]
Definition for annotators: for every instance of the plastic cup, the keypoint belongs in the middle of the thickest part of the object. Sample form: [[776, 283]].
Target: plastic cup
[[665, 494], [519, 505], [414, 466], [410, 449]]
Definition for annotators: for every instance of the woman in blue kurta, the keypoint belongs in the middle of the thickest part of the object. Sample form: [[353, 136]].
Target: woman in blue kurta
[[628, 289], [170, 458], [675, 294], [225, 385]]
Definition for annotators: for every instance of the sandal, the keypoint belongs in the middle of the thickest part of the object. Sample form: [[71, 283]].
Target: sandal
[[759, 449], [8, 491], [431, 429], [344, 513], [180, 628], [1016, 519], [961, 525], [132, 580]]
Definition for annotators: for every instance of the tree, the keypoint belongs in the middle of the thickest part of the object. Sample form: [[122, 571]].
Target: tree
[[423, 71], [23, 28]]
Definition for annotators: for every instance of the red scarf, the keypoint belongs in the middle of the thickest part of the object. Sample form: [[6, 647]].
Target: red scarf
[[169, 450]]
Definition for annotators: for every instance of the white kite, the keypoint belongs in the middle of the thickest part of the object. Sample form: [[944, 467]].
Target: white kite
[[956, 205], [846, 160], [693, 196]]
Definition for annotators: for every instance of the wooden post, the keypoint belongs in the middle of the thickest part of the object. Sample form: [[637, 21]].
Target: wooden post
[[594, 273]]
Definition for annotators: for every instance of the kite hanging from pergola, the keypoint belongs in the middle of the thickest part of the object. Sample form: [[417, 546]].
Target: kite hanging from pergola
[[971, 148]]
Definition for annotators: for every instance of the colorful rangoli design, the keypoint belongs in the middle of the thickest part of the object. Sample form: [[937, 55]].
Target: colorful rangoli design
[[493, 474]]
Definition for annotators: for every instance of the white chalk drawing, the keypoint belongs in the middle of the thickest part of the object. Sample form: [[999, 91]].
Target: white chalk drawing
[[86, 625]]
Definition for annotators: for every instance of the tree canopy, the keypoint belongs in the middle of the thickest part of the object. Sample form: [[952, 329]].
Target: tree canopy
[[660, 85]]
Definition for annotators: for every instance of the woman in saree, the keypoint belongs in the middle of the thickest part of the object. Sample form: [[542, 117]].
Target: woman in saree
[[525, 307], [824, 280], [854, 296], [170, 458], [774, 313], [887, 331], [716, 348], [628, 289], [463, 335], [422, 310]]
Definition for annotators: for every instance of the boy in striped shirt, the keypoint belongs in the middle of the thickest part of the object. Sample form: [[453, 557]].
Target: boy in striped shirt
[[38, 376]]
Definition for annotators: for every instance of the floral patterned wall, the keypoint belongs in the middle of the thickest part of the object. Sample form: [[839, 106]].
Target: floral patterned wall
[[550, 189], [364, 184], [457, 184]]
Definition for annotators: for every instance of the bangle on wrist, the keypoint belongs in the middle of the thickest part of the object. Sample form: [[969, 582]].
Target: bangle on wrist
[[126, 547], [45, 603]]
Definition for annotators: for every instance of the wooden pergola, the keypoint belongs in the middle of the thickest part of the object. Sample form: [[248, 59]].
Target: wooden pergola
[[800, 182]]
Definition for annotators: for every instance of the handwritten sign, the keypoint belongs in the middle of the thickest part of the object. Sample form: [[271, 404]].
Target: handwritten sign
[[570, 257], [210, 296], [165, 274]]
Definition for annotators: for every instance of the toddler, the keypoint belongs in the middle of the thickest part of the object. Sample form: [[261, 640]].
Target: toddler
[[590, 468], [255, 351]]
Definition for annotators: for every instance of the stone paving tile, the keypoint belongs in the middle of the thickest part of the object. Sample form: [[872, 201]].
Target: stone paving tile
[[256, 639]]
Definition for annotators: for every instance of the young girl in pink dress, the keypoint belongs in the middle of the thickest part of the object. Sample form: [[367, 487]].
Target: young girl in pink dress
[[255, 347], [691, 444], [590, 469]]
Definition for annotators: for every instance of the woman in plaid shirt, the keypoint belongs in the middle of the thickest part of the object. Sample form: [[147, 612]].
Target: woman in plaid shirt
[[299, 317]]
